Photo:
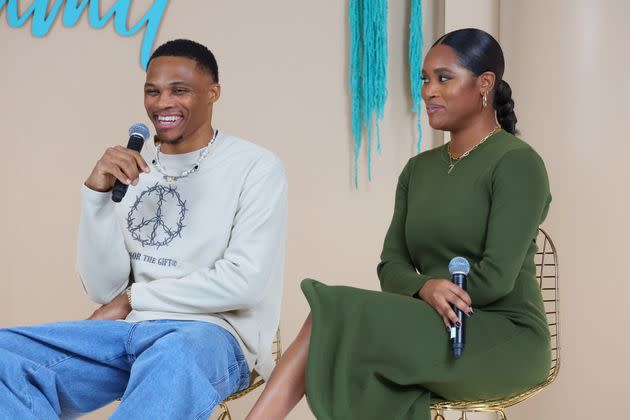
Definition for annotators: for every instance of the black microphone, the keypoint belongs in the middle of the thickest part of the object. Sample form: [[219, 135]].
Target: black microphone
[[459, 268], [138, 134]]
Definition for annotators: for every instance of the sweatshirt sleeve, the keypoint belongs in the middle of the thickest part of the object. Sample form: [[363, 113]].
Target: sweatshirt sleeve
[[520, 201], [396, 271], [239, 279], [103, 264]]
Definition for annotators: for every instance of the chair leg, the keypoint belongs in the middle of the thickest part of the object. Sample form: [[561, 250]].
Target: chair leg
[[439, 415], [501, 415], [225, 415], [464, 416]]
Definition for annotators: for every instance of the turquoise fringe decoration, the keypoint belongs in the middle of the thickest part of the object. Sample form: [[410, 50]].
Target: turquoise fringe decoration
[[368, 74], [415, 61]]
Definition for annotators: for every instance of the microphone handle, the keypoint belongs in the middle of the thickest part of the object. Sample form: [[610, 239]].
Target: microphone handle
[[135, 143], [459, 338]]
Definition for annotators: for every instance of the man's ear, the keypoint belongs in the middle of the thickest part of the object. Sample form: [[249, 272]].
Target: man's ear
[[214, 93]]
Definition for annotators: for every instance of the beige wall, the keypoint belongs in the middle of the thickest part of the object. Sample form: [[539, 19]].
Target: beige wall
[[482, 14], [283, 64], [568, 67]]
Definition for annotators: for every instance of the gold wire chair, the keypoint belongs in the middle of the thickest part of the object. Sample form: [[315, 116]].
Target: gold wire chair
[[254, 381], [547, 275]]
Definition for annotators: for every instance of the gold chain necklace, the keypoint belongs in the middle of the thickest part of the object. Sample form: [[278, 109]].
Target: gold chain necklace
[[453, 160]]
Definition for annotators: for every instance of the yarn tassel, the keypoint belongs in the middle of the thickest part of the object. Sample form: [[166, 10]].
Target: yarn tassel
[[368, 74], [415, 62]]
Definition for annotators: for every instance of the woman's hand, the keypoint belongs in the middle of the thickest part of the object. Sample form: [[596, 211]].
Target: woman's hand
[[441, 294]]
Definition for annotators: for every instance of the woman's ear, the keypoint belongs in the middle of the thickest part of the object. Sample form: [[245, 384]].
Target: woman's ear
[[486, 82]]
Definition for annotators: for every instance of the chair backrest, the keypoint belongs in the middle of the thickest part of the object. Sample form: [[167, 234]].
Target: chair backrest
[[276, 350], [546, 260], [255, 380], [547, 274], [276, 347]]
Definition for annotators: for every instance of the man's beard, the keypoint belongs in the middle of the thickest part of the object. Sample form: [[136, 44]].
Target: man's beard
[[178, 140]]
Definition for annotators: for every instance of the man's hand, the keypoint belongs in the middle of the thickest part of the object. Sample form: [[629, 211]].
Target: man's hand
[[118, 308], [117, 163], [441, 294]]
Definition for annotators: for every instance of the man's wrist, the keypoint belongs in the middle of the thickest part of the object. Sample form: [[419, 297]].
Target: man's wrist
[[128, 293], [96, 188]]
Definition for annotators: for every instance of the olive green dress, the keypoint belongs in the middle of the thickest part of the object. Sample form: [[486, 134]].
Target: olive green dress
[[385, 355]]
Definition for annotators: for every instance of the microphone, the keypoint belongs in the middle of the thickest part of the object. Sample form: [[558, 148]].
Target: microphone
[[138, 134], [459, 268]]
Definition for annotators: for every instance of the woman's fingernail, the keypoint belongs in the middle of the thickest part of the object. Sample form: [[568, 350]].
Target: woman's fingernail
[[459, 324], [128, 181], [135, 182]]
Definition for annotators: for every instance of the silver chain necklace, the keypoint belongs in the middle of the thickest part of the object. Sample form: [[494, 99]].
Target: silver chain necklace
[[194, 168]]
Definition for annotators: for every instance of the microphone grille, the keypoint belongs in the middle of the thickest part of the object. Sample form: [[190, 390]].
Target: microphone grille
[[139, 129], [459, 265]]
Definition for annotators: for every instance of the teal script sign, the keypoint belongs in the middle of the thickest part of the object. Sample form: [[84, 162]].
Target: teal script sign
[[43, 20]]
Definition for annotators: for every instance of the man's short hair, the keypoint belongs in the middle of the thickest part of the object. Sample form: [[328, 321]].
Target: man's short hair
[[189, 49]]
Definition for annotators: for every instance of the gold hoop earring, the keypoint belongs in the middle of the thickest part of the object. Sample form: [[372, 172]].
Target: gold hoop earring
[[484, 99]]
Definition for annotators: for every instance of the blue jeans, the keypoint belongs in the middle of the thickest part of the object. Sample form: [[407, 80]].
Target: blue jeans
[[158, 369]]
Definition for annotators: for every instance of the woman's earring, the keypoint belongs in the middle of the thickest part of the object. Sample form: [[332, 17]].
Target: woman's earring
[[484, 99]]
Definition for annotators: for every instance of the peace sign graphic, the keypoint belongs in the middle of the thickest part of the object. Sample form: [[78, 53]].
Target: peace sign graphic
[[157, 216]]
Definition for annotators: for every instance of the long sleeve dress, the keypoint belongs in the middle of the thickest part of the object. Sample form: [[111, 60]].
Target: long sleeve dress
[[385, 355]]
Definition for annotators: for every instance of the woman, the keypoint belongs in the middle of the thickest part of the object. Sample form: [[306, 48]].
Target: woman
[[372, 355]]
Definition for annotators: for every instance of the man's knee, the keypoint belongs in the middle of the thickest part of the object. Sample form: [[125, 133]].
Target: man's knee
[[7, 338], [8, 363]]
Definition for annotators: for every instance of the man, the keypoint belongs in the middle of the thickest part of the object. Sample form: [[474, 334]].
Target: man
[[192, 258]]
